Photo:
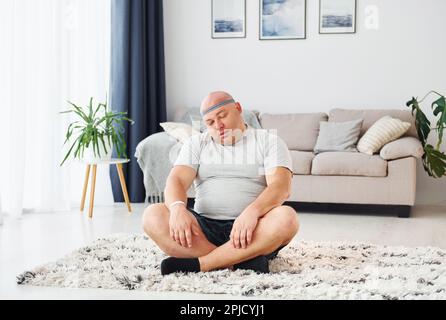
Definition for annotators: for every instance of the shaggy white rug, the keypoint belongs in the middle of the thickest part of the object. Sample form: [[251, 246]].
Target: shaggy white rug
[[302, 270]]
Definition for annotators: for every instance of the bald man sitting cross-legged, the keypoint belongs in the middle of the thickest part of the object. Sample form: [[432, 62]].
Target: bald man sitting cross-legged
[[242, 177]]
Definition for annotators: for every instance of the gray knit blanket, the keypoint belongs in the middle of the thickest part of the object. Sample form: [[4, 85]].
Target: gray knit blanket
[[155, 156]]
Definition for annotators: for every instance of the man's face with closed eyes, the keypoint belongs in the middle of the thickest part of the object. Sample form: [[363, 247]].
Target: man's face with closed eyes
[[225, 123]]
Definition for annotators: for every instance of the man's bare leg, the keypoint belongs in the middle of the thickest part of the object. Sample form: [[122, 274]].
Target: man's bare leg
[[274, 229], [156, 226]]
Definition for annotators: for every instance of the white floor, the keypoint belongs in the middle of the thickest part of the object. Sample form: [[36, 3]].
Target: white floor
[[39, 238]]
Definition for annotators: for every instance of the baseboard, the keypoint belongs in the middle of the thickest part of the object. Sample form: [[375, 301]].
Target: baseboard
[[402, 211]]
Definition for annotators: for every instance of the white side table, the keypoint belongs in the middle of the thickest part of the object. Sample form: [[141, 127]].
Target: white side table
[[94, 164]]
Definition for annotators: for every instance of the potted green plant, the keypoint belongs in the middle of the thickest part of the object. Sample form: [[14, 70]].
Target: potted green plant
[[95, 132], [434, 160]]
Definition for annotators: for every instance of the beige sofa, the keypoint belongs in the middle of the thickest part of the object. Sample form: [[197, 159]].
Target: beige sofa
[[345, 181]]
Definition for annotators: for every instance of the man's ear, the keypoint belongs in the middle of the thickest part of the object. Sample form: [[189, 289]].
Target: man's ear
[[239, 107]]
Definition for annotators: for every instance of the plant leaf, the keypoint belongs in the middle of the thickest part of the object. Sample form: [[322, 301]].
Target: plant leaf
[[103, 143], [90, 109], [80, 144], [124, 145], [69, 151], [434, 161], [439, 107], [422, 123], [70, 131], [97, 109], [95, 145], [79, 112]]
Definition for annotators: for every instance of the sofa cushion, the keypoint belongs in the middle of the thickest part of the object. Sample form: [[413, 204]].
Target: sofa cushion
[[338, 136], [298, 130], [301, 161], [179, 130], [401, 148], [349, 164], [370, 116]]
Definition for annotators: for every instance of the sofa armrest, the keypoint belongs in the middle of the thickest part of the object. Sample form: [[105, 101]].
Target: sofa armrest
[[401, 148], [402, 175]]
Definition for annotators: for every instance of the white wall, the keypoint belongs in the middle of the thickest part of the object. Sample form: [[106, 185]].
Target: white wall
[[374, 68]]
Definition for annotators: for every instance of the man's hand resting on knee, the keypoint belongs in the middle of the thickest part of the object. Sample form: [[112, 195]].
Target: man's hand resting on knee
[[182, 225], [243, 228]]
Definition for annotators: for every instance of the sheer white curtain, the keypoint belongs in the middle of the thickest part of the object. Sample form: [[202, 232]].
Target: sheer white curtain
[[52, 51]]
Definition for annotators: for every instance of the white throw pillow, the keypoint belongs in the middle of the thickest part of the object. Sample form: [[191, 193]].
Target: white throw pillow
[[381, 132], [178, 130]]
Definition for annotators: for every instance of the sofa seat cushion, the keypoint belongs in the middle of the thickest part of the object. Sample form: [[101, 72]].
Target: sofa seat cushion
[[301, 161], [349, 164], [298, 130]]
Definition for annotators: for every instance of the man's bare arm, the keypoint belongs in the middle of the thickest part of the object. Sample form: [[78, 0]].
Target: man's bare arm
[[178, 182], [277, 191], [275, 194], [181, 223]]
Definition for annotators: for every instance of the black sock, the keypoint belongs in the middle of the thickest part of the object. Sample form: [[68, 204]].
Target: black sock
[[171, 265], [258, 264]]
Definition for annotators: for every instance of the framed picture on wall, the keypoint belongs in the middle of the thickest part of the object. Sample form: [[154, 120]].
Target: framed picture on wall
[[228, 19], [337, 16], [282, 19]]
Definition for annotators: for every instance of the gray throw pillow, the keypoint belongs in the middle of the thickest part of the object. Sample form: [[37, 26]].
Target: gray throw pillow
[[338, 136]]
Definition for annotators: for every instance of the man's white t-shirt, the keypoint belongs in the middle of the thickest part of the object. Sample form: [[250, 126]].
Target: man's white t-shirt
[[230, 177]]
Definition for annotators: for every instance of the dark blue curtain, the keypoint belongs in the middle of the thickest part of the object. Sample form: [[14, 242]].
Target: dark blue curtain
[[137, 81]]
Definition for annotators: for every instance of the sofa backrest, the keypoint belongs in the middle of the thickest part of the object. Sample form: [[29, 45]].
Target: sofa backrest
[[370, 116], [298, 130]]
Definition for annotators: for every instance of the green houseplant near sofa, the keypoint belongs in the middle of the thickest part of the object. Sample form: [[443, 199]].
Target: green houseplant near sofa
[[96, 131], [434, 160]]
